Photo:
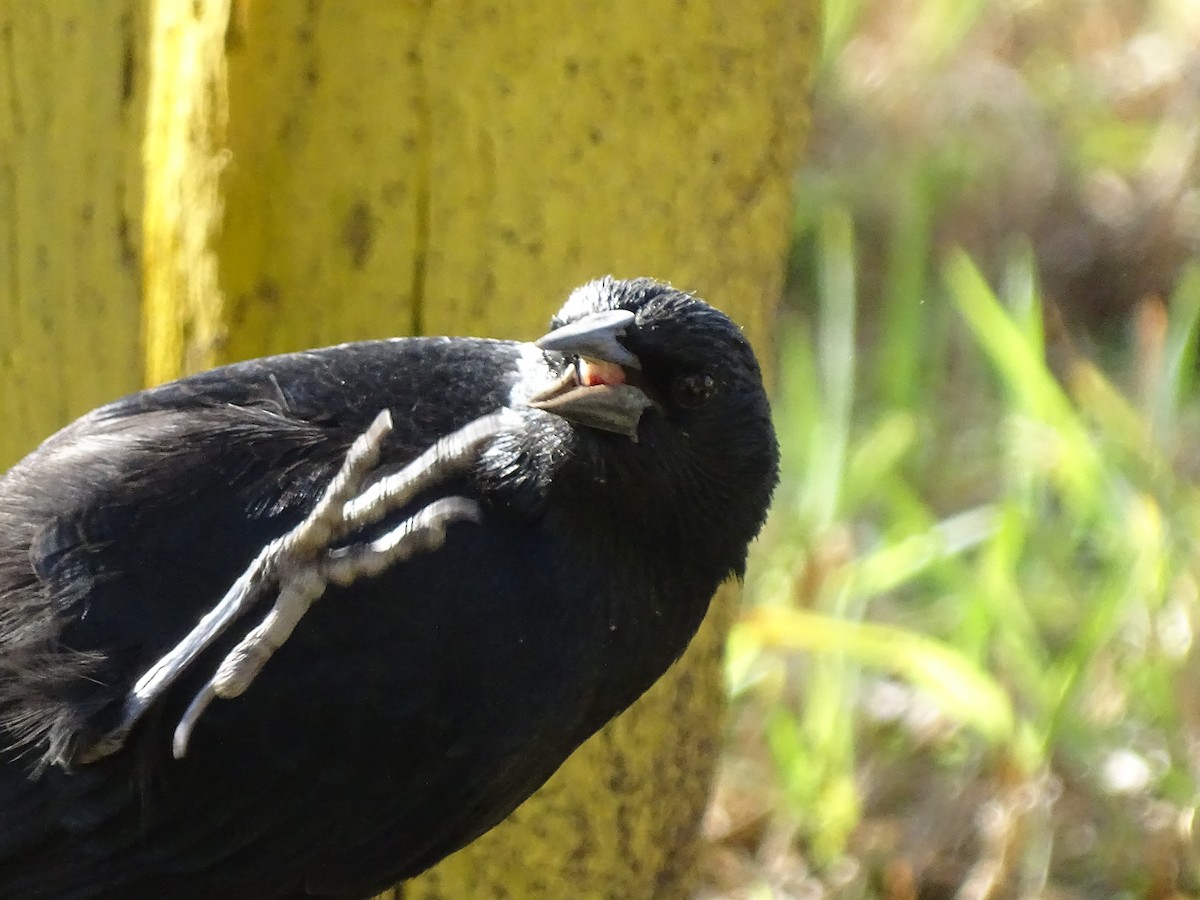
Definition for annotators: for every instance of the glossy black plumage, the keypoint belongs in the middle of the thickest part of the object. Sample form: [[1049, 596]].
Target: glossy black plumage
[[408, 713]]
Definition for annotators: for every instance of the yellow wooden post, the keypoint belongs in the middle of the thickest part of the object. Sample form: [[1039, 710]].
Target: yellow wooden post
[[184, 152], [320, 172], [72, 102]]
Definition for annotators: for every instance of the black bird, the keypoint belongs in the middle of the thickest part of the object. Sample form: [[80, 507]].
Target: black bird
[[418, 701]]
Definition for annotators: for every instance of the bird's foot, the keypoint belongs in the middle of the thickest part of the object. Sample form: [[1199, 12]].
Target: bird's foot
[[303, 583], [299, 565]]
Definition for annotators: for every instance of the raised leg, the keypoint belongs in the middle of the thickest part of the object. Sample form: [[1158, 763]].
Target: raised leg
[[423, 532], [298, 566]]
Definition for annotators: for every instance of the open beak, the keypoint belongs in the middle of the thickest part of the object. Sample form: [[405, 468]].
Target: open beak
[[595, 391]]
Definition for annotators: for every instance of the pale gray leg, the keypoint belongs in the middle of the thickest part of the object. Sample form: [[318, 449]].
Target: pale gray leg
[[422, 532], [299, 565]]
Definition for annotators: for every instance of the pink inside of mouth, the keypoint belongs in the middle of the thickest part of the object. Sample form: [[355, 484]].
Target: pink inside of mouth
[[594, 372]]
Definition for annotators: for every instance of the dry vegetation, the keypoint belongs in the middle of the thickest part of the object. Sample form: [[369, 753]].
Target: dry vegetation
[[967, 667]]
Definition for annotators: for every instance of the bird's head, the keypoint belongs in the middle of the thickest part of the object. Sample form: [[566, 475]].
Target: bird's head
[[647, 408]]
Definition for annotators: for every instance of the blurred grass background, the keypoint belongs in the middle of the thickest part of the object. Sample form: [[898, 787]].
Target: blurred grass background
[[967, 666]]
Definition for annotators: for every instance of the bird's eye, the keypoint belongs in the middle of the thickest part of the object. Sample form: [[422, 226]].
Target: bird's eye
[[694, 389]]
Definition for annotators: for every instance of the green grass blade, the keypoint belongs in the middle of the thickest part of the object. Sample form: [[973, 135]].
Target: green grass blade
[[961, 688]]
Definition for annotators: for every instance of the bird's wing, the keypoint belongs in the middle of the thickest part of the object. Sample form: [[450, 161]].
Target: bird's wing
[[105, 562], [123, 528], [109, 559]]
